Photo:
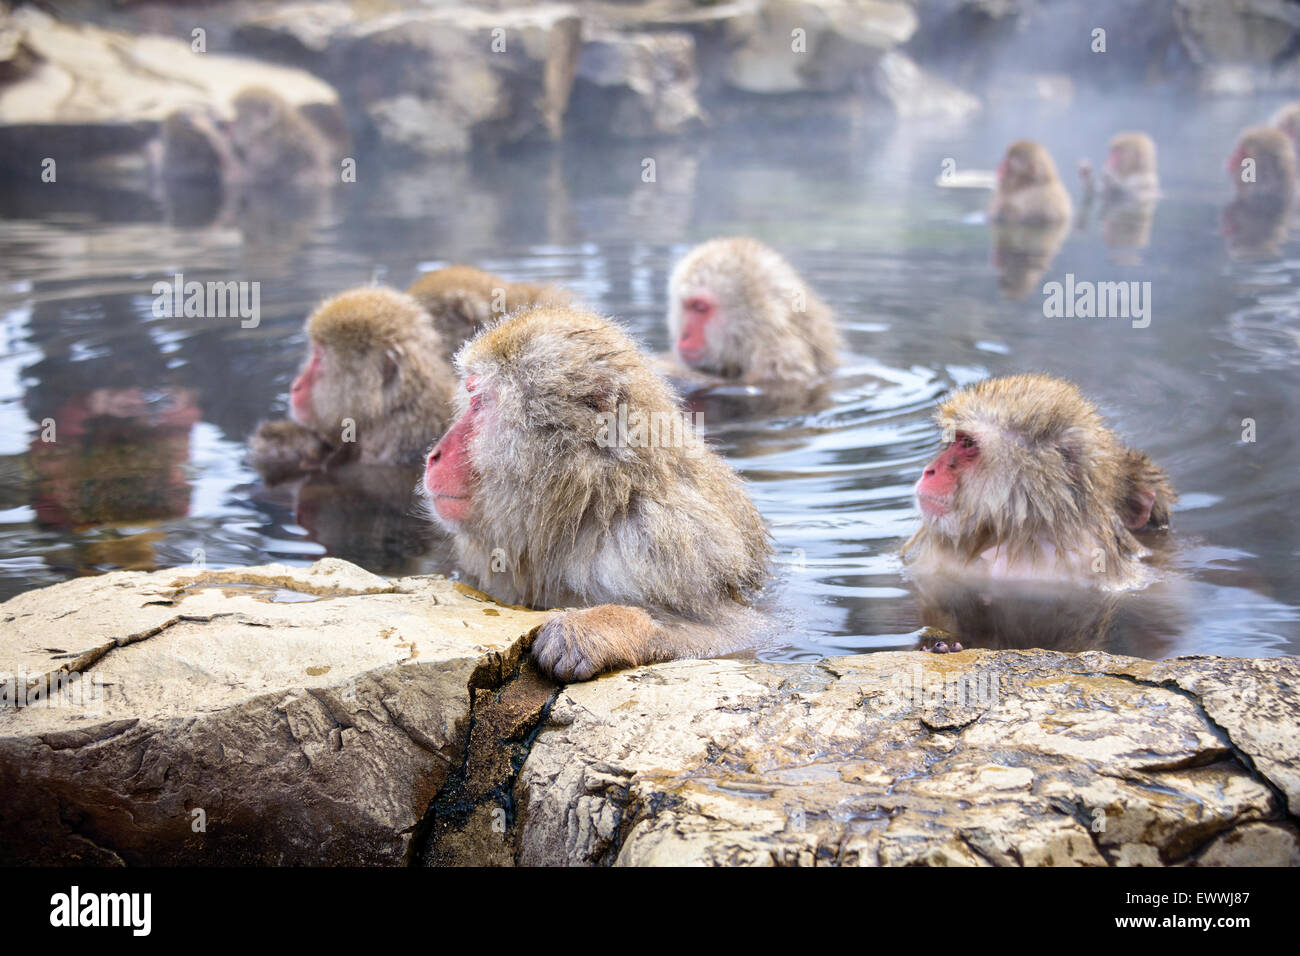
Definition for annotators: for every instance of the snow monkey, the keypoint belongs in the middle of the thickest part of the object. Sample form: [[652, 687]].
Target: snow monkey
[[1287, 119], [556, 499], [375, 387], [1271, 169], [462, 299], [1263, 171], [1029, 191], [275, 143], [737, 310], [1130, 171], [1031, 485]]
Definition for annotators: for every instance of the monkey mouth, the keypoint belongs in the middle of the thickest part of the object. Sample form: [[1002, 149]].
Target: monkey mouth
[[690, 355], [931, 506]]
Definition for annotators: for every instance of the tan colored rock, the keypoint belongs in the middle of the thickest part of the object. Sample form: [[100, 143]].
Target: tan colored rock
[[636, 85], [812, 46], [327, 715], [435, 81], [263, 715], [1003, 758]]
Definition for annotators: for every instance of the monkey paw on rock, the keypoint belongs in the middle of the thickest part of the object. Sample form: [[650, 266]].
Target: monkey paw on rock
[[577, 645]]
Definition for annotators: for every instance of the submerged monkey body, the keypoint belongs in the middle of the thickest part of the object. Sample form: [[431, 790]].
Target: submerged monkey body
[[1033, 486], [657, 549]]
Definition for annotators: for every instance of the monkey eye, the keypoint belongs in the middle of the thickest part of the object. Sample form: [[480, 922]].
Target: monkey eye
[[698, 304], [966, 442]]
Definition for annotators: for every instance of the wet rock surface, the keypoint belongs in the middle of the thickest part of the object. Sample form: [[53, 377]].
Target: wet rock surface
[[977, 758], [325, 715], [268, 715]]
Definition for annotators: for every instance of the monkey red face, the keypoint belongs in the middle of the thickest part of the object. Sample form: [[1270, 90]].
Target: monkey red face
[[1234, 161], [449, 471], [942, 477], [697, 311], [300, 391]]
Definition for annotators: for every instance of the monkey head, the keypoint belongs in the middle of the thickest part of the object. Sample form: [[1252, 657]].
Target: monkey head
[[369, 350], [1029, 476], [1026, 164], [462, 299], [259, 114], [538, 390], [1130, 154], [738, 310], [1274, 161], [570, 477]]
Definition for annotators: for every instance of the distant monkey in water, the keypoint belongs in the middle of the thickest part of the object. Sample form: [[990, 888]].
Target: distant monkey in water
[[1029, 192], [739, 312], [462, 299]]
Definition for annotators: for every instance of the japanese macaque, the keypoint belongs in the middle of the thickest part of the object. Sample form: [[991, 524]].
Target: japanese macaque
[[1263, 162], [571, 480], [462, 299], [375, 388], [1029, 190], [275, 143], [192, 148], [1130, 171], [1287, 119], [1129, 190], [1263, 170], [268, 142], [739, 312], [1031, 485]]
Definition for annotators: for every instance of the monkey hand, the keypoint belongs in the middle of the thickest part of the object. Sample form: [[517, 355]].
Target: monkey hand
[[577, 645], [282, 449]]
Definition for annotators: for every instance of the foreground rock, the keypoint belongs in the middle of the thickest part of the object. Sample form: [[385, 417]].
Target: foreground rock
[[324, 715], [978, 758], [268, 716], [75, 92]]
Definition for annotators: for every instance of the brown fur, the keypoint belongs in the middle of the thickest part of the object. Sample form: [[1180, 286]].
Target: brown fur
[[1133, 176], [771, 329], [462, 299], [1051, 478], [384, 370], [1275, 164], [275, 143], [1287, 119], [1029, 190], [657, 544]]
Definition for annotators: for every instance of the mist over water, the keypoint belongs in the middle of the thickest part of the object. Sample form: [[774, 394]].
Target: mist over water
[[906, 265]]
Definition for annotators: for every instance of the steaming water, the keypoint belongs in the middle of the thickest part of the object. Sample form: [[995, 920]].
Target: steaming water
[[159, 409]]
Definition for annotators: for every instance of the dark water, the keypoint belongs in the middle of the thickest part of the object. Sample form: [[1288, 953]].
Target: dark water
[[153, 413]]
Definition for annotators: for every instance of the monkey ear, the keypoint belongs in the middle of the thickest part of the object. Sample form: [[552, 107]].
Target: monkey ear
[[602, 394], [392, 362], [1135, 509]]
